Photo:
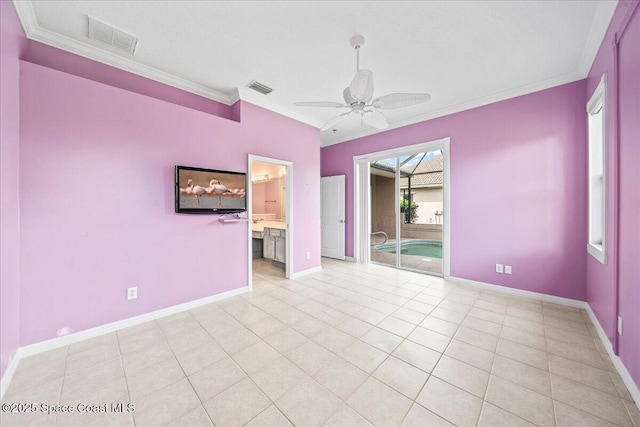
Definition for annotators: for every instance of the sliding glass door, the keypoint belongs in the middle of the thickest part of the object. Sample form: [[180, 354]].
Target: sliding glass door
[[421, 212], [384, 212], [406, 206]]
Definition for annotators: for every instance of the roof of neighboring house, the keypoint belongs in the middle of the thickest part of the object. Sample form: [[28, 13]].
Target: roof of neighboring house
[[430, 179], [434, 164], [428, 173]]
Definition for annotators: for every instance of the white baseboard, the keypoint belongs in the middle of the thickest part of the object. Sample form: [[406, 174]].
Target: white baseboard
[[132, 321], [601, 333], [522, 293], [617, 362], [8, 374], [350, 259], [65, 340], [306, 272]]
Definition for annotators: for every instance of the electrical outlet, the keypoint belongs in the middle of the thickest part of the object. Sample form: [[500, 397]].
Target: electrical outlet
[[132, 293], [499, 268], [507, 269], [619, 325], [308, 255]]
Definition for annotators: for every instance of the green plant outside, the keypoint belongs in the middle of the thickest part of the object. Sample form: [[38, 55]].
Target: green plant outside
[[410, 213]]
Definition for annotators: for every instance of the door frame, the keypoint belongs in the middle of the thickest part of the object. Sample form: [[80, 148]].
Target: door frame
[[362, 199], [288, 209], [343, 180]]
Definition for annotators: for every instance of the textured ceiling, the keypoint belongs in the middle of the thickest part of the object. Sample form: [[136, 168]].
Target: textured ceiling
[[464, 53]]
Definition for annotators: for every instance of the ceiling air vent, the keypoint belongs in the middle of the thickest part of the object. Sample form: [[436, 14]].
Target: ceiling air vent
[[259, 87], [105, 33]]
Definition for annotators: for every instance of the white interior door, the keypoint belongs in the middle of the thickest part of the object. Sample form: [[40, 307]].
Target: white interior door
[[332, 199]]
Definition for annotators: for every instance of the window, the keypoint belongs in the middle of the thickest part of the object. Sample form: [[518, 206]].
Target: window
[[597, 120]]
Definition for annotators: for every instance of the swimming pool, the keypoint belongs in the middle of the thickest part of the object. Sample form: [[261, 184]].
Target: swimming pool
[[427, 248]]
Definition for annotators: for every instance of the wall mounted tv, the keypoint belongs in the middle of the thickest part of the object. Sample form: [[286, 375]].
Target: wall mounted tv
[[208, 191]]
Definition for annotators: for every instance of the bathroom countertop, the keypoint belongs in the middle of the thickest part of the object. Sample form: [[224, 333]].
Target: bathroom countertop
[[261, 225]]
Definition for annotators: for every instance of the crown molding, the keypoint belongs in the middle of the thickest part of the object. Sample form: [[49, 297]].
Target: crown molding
[[234, 97], [26, 15], [33, 31], [599, 26], [474, 103]]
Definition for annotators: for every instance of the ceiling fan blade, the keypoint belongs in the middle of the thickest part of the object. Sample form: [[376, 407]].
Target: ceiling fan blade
[[361, 86], [335, 121], [400, 100], [320, 104], [375, 119]]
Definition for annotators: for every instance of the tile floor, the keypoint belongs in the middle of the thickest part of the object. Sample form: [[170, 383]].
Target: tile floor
[[353, 345]]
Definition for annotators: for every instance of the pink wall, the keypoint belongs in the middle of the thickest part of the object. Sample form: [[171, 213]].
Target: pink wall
[[629, 244], [518, 188], [96, 177], [601, 279], [12, 46], [51, 57]]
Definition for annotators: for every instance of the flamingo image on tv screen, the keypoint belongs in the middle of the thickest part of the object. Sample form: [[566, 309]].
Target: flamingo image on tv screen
[[209, 191]]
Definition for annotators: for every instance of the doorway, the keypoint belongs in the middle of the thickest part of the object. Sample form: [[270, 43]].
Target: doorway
[[332, 215], [270, 209], [402, 208]]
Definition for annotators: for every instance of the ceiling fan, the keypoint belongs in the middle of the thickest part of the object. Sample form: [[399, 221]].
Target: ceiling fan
[[358, 97]]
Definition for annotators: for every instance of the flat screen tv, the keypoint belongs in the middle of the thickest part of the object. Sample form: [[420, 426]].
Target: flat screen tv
[[208, 191]]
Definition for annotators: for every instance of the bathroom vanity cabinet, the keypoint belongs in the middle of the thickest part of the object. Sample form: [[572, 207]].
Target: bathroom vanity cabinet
[[274, 244]]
